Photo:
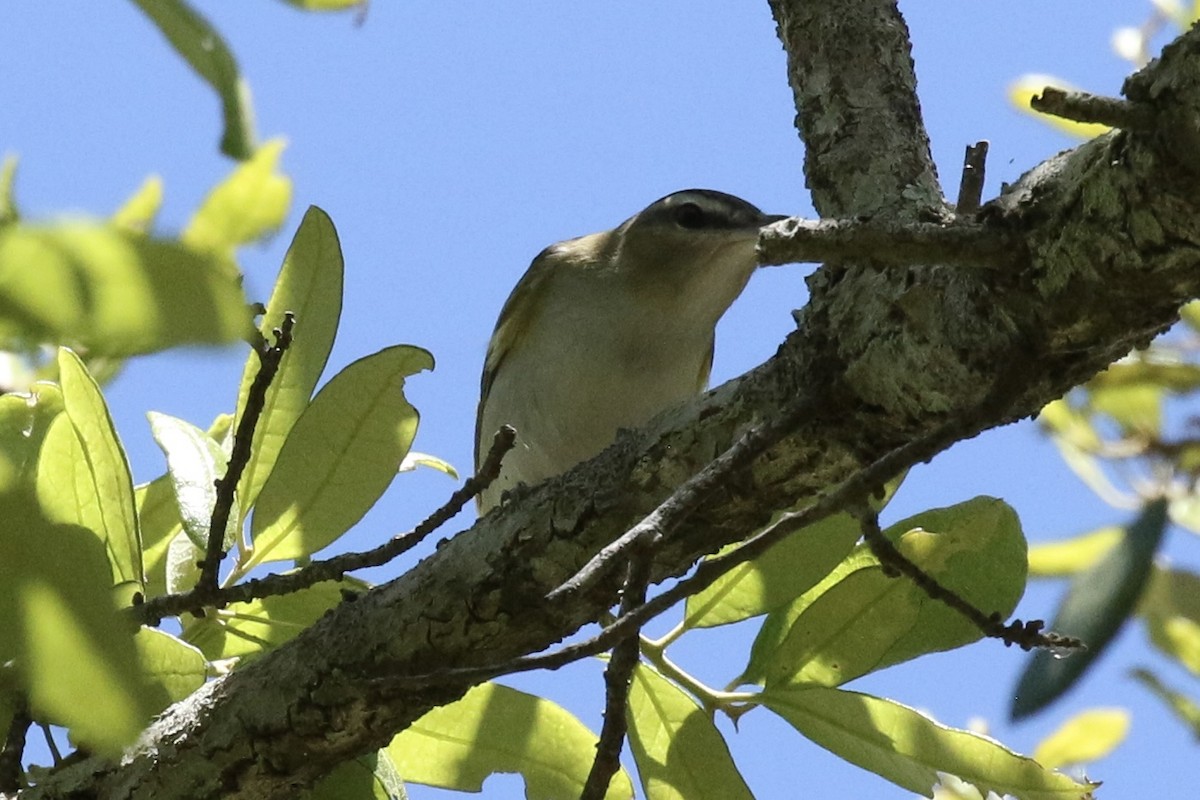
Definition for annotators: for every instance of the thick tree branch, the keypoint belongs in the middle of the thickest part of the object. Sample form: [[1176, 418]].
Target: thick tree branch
[[1111, 236]]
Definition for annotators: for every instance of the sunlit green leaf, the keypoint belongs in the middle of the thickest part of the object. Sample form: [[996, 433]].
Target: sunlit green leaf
[[327, 5], [194, 462], [859, 619], [1183, 707], [370, 777], [340, 456], [1026, 87], [8, 204], [206, 52], [24, 420], [1069, 556], [910, 749], [495, 729], [310, 286], [183, 564], [113, 291], [1136, 407], [59, 621], [1068, 423], [1171, 610], [247, 630], [248, 205], [139, 211], [412, 460], [1190, 314], [173, 668], [1086, 737], [679, 752], [1096, 606], [158, 519], [83, 475], [780, 575]]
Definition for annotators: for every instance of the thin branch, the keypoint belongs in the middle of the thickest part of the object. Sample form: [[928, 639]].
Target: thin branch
[[679, 505], [970, 187], [13, 751], [152, 611], [889, 242], [1027, 635], [617, 678], [269, 360], [1085, 107]]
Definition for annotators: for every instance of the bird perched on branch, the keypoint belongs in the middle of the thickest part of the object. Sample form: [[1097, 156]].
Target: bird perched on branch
[[605, 331]]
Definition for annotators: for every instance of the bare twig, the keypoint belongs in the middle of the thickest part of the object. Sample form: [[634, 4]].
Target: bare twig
[[617, 677], [11, 773], [1085, 107], [888, 242], [1027, 635], [335, 568], [269, 360], [970, 187]]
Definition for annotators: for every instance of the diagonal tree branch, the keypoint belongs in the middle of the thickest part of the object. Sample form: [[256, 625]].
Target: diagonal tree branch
[[1112, 236]]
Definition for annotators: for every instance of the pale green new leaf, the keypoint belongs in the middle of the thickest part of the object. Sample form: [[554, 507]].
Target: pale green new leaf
[[206, 52], [340, 456], [138, 212], [83, 475], [113, 291], [8, 204], [495, 729], [413, 459], [1021, 91], [1069, 556], [679, 752], [194, 462], [1086, 737], [909, 749], [247, 630], [1170, 608], [248, 205], [59, 622], [326, 5], [24, 420], [859, 619], [370, 777], [310, 286], [173, 668], [158, 520], [183, 564]]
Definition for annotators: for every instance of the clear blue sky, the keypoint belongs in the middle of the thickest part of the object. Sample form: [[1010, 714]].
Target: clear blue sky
[[450, 142]]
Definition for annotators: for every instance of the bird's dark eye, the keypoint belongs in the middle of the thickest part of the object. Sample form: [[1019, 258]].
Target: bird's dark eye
[[689, 215]]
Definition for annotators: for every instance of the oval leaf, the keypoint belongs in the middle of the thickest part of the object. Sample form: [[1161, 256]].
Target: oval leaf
[[1096, 606], [173, 668], [909, 749], [1086, 737], [310, 286], [1171, 610], [679, 752], [495, 729], [249, 204], [341, 455], [194, 462]]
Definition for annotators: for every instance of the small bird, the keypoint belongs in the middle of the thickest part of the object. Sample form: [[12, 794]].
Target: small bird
[[605, 331]]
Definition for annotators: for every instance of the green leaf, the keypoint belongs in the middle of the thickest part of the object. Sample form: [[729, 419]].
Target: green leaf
[[115, 292], [413, 459], [1065, 422], [310, 286], [1170, 608], [1086, 737], [1021, 91], [780, 575], [679, 752], [1136, 407], [1070, 556], [1183, 707], [497, 729], [1096, 606], [173, 668], [859, 619], [206, 52], [83, 476], [370, 777], [909, 749], [24, 420], [139, 211], [1190, 314], [8, 204], [247, 630], [248, 205], [158, 519], [59, 622], [339, 458], [183, 564], [194, 462]]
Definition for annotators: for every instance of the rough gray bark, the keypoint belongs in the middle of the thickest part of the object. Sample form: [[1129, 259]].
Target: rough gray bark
[[1108, 249]]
